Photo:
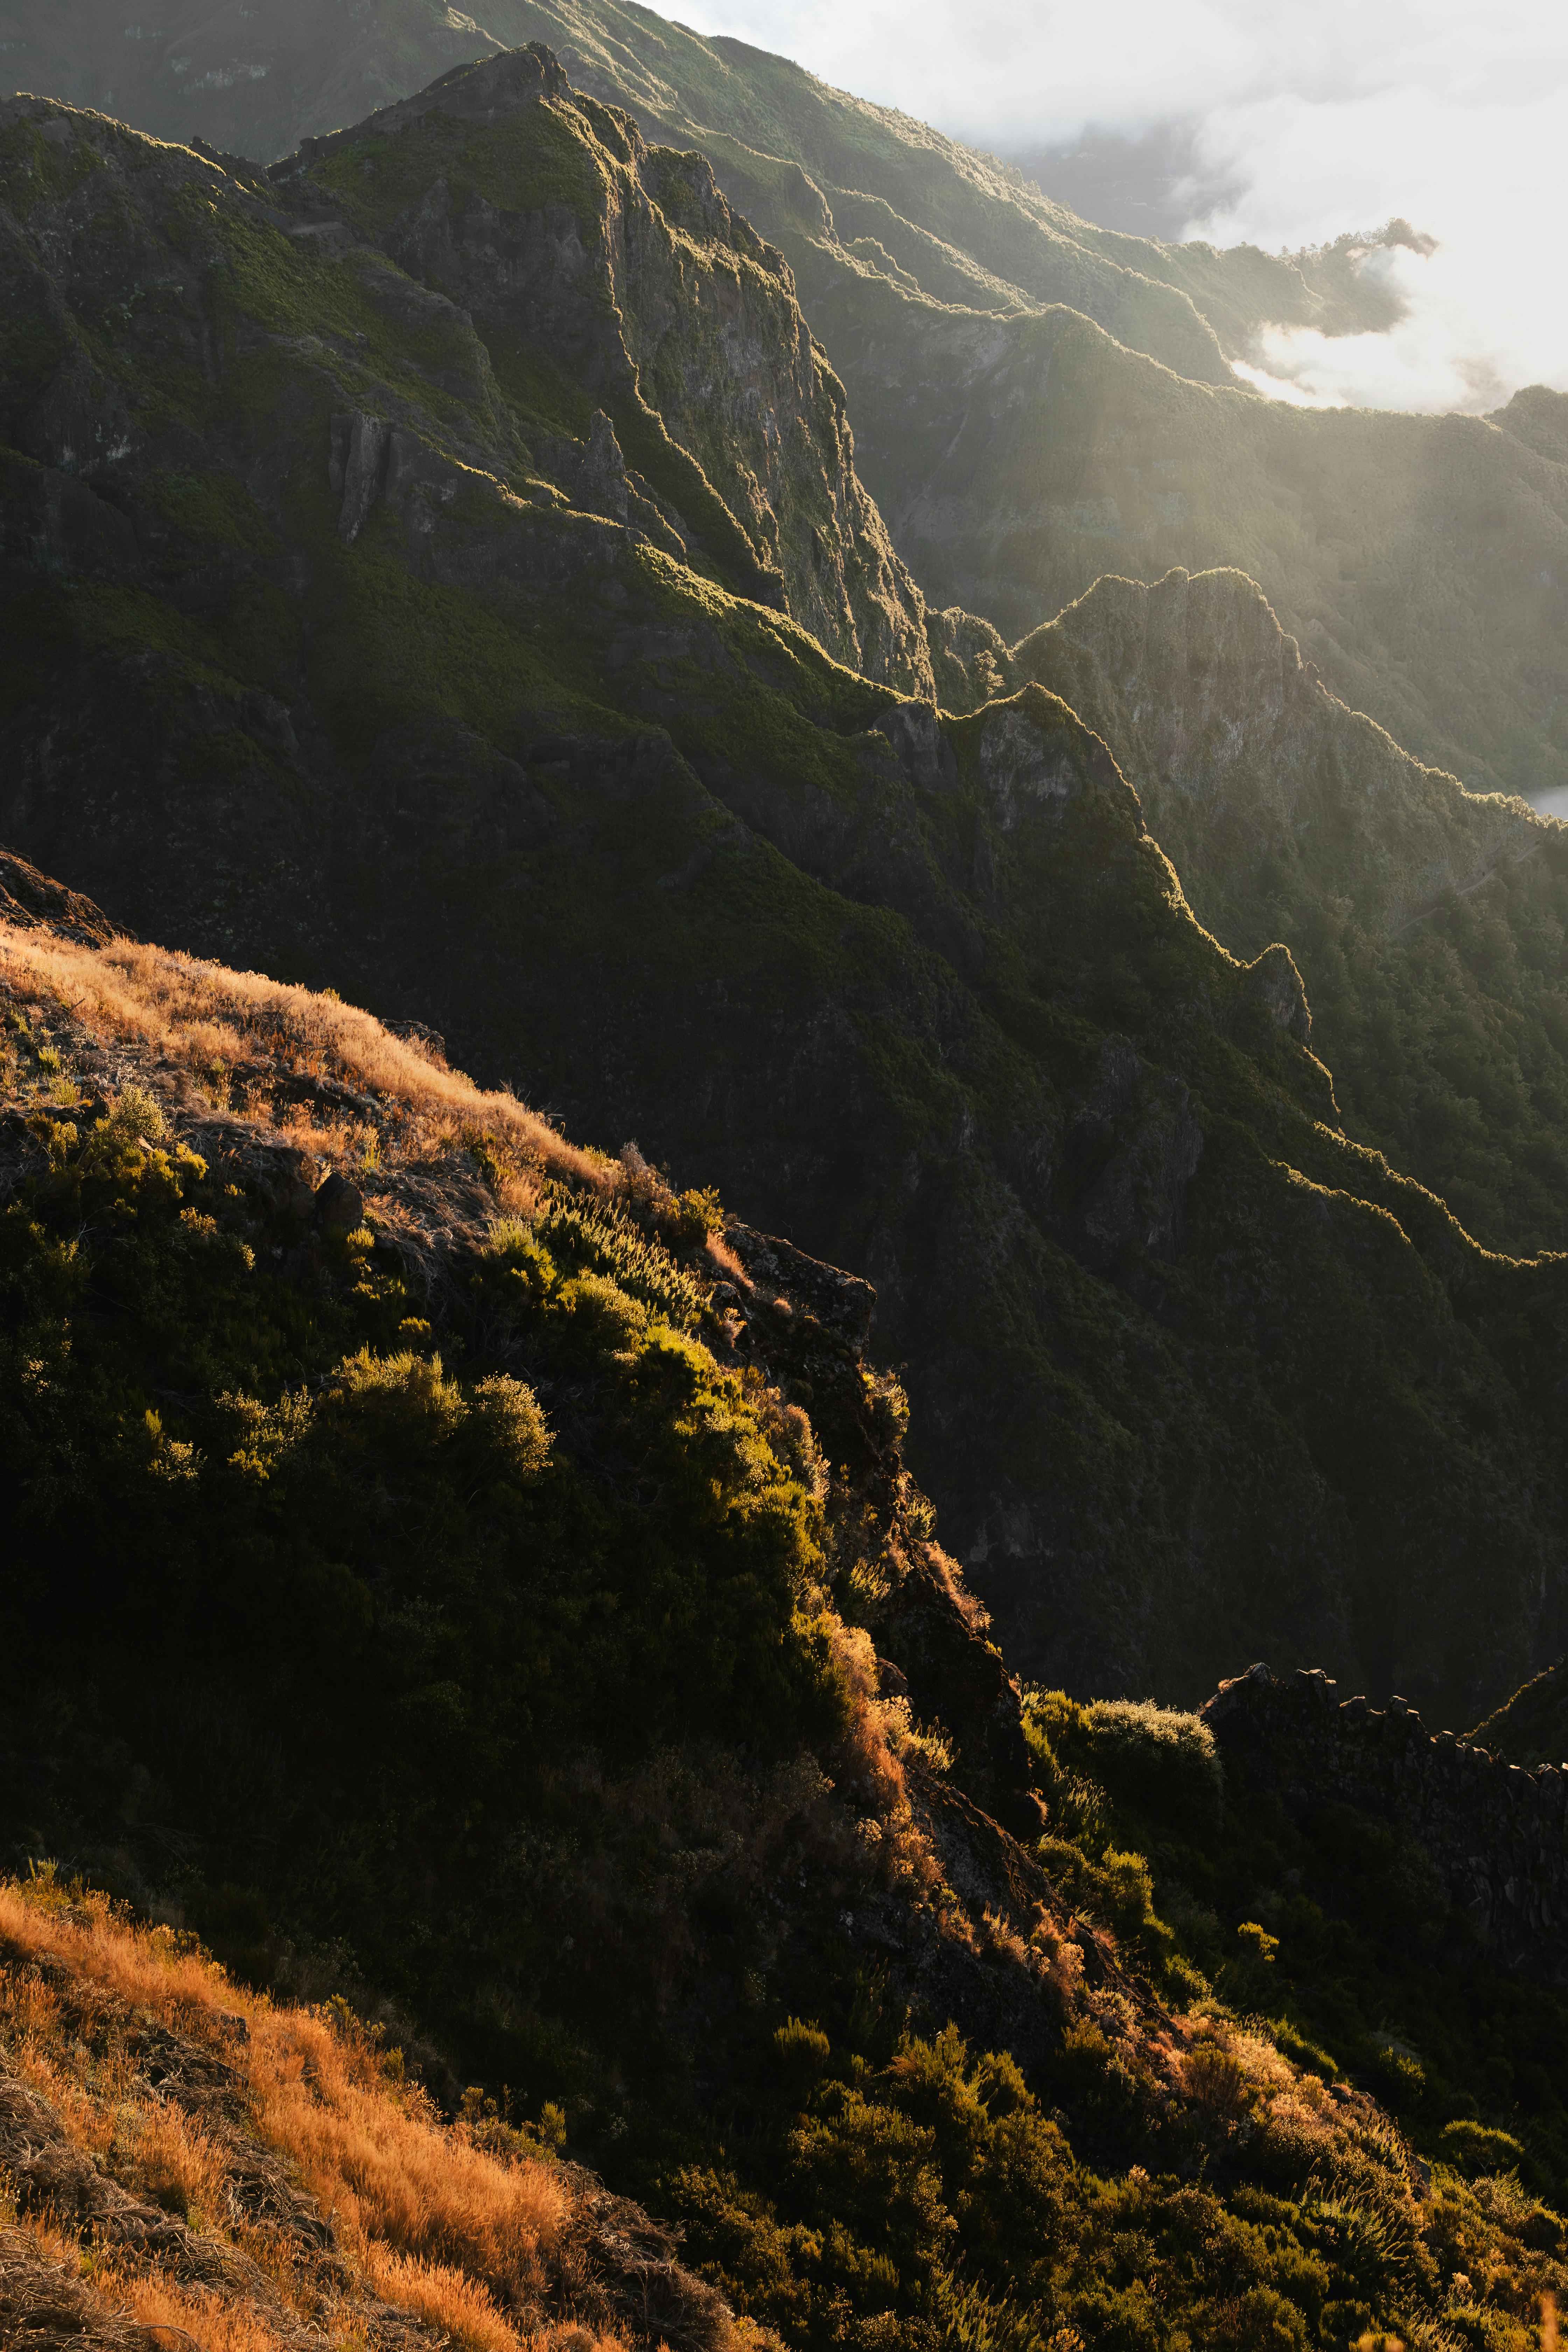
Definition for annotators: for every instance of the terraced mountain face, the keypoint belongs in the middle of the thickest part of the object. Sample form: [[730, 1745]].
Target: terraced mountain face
[[1429, 924], [357, 635]]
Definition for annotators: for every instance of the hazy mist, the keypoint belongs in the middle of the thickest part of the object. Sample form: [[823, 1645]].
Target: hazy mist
[[1285, 126]]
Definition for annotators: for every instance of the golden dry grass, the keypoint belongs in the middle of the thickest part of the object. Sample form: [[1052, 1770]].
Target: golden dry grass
[[444, 2296], [388, 2173], [214, 2324], [204, 1015], [427, 2218]]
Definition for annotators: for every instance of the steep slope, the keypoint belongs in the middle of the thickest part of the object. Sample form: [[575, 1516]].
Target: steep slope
[[186, 2158], [596, 268], [614, 289], [500, 1619], [1016, 452], [312, 667], [1428, 925], [1532, 1726]]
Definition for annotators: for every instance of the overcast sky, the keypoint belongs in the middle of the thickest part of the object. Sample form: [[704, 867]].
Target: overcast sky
[[1296, 122]]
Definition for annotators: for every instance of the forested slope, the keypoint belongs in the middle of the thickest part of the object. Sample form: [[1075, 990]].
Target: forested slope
[[1429, 924]]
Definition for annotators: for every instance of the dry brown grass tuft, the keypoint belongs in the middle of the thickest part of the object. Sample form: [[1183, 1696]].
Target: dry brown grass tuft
[[204, 1016], [46, 2305], [177, 2163], [444, 2297], [214, 2324], [374, 2156], [427, 2217]]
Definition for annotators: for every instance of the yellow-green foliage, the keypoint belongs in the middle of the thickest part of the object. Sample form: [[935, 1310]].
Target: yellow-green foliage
[[612, 1539], [927, 2197]]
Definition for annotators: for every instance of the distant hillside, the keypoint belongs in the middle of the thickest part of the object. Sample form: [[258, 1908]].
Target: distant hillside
[[1428, 925], [1421, 561], [910, 204], [1034, 402]]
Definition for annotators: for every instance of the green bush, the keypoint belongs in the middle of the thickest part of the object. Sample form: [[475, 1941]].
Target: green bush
[[1158, 1760], [1477, 2148]]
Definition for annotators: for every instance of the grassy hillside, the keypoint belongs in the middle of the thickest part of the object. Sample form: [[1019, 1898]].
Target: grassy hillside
[[391, 704], [186, 2158], [486, 1604]]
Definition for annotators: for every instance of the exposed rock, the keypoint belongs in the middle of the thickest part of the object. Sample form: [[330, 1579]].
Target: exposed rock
[[1273, 982], [1497, 1834], [33, 901], [339, 1206], [684, 325]]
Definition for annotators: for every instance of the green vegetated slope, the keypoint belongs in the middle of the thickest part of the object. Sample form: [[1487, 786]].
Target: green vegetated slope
[[1428, 924], [482, 1617], [318, 660]]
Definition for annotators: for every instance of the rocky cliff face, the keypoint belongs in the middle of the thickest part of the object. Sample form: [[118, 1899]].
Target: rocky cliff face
[[624, 266], [560, 250], [1256, 779], [1492, 1831]]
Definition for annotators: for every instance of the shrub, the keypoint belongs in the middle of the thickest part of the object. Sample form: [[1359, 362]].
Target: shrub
[[803, 2052], [1159, 1759], [136, 1114], [1477, 2148]]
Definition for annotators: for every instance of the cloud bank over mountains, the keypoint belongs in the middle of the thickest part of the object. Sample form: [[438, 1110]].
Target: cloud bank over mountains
[[1295, 126]]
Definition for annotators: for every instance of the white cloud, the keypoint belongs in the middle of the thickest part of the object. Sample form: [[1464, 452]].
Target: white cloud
[[1316, 121]]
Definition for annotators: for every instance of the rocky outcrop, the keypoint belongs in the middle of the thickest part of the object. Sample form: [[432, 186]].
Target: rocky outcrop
[[626, 265], [33, 901], [1497, 1834], [807, 1326]]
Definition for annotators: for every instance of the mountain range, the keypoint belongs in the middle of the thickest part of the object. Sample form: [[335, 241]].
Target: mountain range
[[652, 578], [1037, 401]]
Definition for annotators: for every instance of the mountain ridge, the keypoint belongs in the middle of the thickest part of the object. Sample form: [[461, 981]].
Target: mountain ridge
[[922, 990], [1019, 439]]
